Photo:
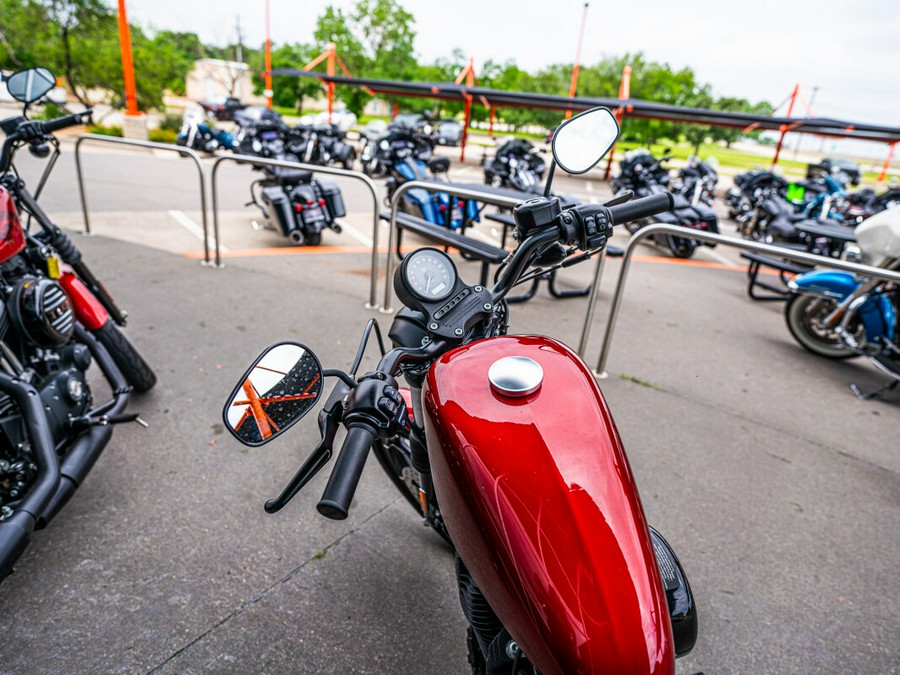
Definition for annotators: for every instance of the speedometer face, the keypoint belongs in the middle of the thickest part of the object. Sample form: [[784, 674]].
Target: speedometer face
[[429, 274]]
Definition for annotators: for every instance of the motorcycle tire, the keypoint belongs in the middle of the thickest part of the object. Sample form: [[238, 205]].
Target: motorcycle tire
[[681, 247], [135, 369], [395, 457], [312, 239], [803, 313], [347, 162]]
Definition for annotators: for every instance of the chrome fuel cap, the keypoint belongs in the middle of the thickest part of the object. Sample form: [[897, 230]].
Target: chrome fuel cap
[[515, 376]]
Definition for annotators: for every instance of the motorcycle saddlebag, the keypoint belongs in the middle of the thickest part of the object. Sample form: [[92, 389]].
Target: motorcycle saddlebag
[[280, 208], [334, 200]]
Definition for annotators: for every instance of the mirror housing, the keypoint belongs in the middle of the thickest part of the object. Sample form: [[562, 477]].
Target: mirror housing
[[582, 141], [31, 84], [276, 392]]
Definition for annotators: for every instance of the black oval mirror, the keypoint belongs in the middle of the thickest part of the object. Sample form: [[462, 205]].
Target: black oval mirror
[[281, 386], [582, 141], [29, 85]]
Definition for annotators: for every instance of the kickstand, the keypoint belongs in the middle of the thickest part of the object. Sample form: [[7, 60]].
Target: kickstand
[[878, 393]]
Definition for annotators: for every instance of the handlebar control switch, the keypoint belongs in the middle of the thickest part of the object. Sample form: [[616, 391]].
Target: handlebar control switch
[[376, 403], [535, 214], [597, 228]]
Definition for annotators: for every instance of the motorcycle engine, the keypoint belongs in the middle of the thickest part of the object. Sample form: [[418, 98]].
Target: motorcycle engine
[[36, 327]]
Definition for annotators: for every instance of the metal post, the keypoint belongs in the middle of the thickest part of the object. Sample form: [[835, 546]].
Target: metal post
[[449, 188], [131, 106], [784, 128], [261, 161], [268, 92], [589, 315], [796, 256], [184, 152]]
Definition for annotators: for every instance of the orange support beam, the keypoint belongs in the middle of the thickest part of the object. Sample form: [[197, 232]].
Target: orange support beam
[[332, 53], [131, 106], [624, 95], [887, 163], [491, 123], [268, 91], [469, 74], [575, 69], [784, 127]]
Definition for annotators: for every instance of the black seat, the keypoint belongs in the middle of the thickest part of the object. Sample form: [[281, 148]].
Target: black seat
[[293, 176]]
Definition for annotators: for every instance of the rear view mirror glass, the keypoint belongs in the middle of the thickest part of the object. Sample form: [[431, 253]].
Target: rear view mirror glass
[[30, 85], [582, 141], [277, 391]]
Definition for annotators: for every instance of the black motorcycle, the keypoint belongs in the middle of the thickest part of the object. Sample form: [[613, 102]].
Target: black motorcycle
[[645, 175], [323, 144], [56, 319], [299, 206], [516, 165]]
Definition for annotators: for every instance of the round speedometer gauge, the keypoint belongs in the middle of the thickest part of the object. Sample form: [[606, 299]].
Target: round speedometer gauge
[[429, 274]]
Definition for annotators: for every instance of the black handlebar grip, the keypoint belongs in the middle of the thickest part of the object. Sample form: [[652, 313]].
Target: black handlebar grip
[[642, 208], [63, 122], [348, 467]]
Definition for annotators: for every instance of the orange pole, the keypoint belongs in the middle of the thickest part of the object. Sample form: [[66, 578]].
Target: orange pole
[[491, 123], [887, 163], [624, 95], [784, 127], [332, 52], [269, 91], [259, 413], [131, 106], [574, 83], [469, 73]]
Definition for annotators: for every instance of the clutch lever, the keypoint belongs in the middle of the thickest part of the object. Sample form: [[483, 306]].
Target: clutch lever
[[329, 423]]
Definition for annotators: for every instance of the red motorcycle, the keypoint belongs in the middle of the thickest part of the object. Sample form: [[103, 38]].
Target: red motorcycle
[[94, 307], [506, 447]]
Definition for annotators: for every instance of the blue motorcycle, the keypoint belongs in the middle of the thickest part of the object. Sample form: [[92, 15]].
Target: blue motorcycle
[[198, 134], [839, 315], [408, 157]]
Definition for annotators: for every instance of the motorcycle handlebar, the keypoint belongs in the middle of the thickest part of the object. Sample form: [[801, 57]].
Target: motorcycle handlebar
[[645, 207], [348, 467], [68, 121]]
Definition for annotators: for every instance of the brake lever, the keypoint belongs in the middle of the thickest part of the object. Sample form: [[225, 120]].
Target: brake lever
[[621, 198], [329, 423]]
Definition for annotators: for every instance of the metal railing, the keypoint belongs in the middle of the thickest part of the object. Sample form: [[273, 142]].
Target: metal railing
[[182, 151], [262, 161], [449, 188], [768, 249]]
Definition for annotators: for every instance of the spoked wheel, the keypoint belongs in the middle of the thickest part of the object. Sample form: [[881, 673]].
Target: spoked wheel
[[804, 315], [681, 247], [395, 458], [136, 370]]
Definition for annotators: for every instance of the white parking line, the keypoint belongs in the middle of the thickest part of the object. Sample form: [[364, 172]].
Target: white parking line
[[719, 257], [356, 234], [589, 186], [194, 228]]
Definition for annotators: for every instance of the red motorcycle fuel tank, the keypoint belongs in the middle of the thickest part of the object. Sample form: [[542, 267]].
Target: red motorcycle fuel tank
[[540, 502]]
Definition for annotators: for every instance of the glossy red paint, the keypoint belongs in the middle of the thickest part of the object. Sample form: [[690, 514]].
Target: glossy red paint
[[88, 310], [12, 237], [539, 499], [407, 398]]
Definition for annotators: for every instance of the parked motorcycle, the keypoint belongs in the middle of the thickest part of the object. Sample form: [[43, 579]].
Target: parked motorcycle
[[198, 134], [840, 315], [409, 157], [645, 175], [324, 144], [517, 164], [297, 205], [697, 180], [56, 318], [504, 445]]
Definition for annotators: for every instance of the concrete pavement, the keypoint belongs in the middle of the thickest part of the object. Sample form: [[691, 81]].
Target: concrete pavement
[[776, 487]]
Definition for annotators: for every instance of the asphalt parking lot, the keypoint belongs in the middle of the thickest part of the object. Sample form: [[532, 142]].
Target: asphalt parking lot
[[777, 488]]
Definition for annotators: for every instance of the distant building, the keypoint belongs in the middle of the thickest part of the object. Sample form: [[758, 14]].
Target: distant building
[[214, 77]]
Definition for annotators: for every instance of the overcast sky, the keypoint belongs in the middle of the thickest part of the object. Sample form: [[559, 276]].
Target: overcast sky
[[751, 49]]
